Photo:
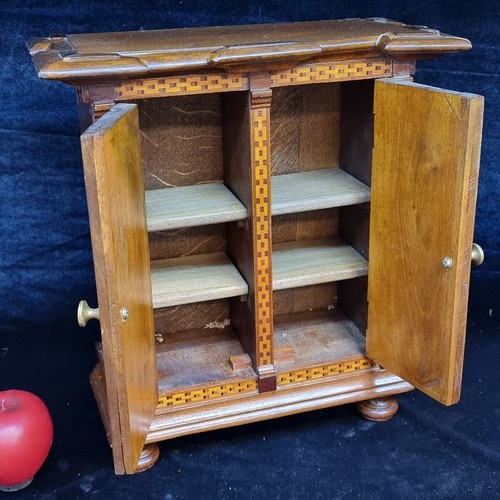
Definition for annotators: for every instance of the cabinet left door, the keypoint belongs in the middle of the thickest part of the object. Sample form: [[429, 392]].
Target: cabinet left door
[[115, 197]]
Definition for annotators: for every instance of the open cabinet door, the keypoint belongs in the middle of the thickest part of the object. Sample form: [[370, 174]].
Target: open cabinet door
[[424, 183], [115, 194]]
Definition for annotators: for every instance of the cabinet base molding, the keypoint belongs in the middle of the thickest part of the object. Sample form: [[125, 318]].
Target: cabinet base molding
[[371, 390], [282, 402]]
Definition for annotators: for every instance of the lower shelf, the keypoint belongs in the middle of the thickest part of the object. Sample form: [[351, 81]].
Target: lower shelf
[[200, 366], [195, 278], [315, 261], [317, 344]]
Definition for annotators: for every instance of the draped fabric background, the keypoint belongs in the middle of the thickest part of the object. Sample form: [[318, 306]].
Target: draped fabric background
[[426, 451]]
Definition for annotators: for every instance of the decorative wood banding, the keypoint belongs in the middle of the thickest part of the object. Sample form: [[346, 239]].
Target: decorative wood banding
[[332, 72], [318, 372], [206, 393], [260, 140], [234, 82], [180, 85]]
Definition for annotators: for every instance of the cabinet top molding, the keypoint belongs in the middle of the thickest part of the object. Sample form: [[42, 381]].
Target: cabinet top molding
[[134, 54]]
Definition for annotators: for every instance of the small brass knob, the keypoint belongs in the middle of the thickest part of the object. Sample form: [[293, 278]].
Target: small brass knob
[[447, 263], [86, 313], [477, 255]]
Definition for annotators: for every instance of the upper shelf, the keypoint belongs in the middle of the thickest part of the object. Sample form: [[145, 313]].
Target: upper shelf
[[106, 56], [190, 206], [316, 190], [214, 203]]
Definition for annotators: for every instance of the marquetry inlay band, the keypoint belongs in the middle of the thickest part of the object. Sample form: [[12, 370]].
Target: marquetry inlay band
[[260, 118], [206, 393], [233, 82], [318, 372], [331, 72], [180, 85]]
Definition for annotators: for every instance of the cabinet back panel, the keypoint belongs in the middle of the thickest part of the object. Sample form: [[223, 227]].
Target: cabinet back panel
[[356, 137], [305, 128], [187, 241], [303, 299], [181, 140], [210, 315], [352, 300], [354, 227], [304, 225]]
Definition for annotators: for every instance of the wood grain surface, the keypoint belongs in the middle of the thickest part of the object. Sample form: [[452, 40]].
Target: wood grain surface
[[315, 261], [316, 190], [115, 194], [195, 278], [305, 128], [190, 206], [425, 170], [140, 53]]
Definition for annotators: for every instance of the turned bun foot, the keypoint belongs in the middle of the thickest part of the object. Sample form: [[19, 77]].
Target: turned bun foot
[[149, 456], [378, 410]]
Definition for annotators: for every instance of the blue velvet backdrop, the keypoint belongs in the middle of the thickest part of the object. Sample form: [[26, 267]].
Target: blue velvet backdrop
[[46, 267]]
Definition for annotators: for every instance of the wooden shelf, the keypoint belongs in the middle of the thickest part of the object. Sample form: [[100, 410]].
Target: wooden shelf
[[189, 206], [316, 190], [310, 262], [315, 338], [195, 278]]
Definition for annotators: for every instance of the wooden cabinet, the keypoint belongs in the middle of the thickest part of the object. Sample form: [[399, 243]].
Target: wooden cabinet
[[281, 221]]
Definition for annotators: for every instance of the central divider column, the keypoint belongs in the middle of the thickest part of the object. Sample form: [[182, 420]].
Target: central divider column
[[260, 120], [248, 174]]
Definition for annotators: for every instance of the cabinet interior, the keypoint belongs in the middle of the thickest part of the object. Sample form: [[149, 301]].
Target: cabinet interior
[[198, 203]]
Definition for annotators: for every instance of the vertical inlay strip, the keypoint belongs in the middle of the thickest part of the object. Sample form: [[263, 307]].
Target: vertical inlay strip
[[260, 115]]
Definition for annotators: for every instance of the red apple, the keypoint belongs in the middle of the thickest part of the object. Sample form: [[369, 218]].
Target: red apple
[[25, 437]]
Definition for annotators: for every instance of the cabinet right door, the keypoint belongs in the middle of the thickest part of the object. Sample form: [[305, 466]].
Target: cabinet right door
[[424, 186]]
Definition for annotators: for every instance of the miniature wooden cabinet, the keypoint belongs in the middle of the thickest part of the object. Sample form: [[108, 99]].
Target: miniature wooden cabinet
[[281, 221]]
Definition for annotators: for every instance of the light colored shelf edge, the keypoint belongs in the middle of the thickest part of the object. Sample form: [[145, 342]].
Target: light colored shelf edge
[[316, 190], [198, 278], [312, 262], [190, 206]]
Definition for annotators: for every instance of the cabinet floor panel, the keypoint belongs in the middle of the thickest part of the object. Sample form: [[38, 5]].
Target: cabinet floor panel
[[195, 278], [189, 206], [202, 365], [315, 261], [316, 190], [322, 339]]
